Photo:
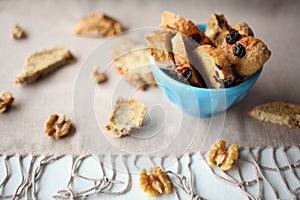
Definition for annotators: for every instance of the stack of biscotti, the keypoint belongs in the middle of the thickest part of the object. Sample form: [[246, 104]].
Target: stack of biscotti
[[223, 56]]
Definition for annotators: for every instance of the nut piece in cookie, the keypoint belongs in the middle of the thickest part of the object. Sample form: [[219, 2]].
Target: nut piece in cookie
[[98, 25], [218, 155], [278, 112], [247, 55], [157, 182], [57, 126], [182, 64], [185, 26], [97, 76], [18, 32], [160, 48], [214, 66], [216, 27], [126, 116], [42, 63], [6, 99], [131, 60]]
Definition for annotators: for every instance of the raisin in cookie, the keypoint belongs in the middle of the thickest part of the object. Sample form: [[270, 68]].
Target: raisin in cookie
[[247, 55], [214, 66], [216, 28], [183, 66]]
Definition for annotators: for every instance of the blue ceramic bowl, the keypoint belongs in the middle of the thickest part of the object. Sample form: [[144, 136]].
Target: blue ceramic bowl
[[201, 102]]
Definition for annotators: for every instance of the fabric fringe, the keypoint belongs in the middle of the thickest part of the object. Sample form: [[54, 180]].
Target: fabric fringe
[[183, 183]]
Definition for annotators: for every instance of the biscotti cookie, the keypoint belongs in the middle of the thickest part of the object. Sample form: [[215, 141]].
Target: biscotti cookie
[[98, 25], [217, 28], [131, 60], [42, 63], [126, 116], [247, 55], [160, 48], [243, 28], [278, 112], [214, 66], [183, 66], [185, 26]]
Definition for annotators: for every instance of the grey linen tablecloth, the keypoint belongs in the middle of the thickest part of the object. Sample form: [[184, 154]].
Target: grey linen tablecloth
[[49, 23]]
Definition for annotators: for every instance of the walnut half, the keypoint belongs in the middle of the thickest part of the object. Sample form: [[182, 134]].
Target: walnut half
[[6, 99], [156, 183], [57, 126], [218, 155]]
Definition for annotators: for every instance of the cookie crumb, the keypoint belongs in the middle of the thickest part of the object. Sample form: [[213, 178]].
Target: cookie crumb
[[98, 77], [18, 32]]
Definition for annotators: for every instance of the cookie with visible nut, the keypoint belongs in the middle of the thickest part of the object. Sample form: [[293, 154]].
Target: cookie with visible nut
[[57, 126], [6, 99], [185, 26], [42, 63], [126, 116], [214, 66], [278, 112], [98, 25]]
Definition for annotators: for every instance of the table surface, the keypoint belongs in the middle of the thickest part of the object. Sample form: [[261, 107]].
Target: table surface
[[49, 23]]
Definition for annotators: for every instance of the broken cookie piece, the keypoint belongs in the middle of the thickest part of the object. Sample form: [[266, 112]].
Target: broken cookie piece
[[278, 112], [18, 32], [98, 25], [57, 126], [98, 77], [160, 48], [214, 66], [42, 63], [6, 99], [131, 60], [126, 116]]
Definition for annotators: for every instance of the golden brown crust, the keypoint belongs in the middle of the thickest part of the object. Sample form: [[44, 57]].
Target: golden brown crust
[[216, 28], [243, 28], [98, 25], [185, 26], [42, 63], [214, 66], [257, 53], [278, 112]]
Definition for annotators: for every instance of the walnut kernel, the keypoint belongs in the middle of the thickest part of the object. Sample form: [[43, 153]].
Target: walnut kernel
[[6, 99], [156, 183], [218, 155], [57, 126]]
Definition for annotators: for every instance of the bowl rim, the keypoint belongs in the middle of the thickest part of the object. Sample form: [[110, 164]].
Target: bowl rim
[[241, 85]]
